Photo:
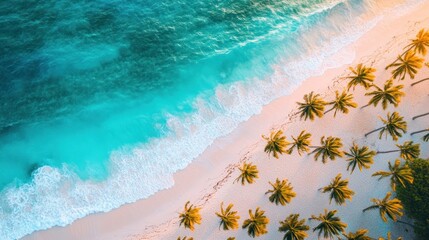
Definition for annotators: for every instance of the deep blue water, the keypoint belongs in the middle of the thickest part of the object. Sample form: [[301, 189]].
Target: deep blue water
[[101, 101]]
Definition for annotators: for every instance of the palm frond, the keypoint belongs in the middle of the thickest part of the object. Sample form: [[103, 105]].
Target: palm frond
[[282, 192], [190, 216], [256, 224], [312, 106], [388, 95], [406, 65], [329, 148], [409, 150], [362, 157], [339, 190], [249, 173], [301, 143], [362, 75], [360, 234], [330, 225], [276, 143], [399, 174], [294, 228], [394, 125], [391, 207], [228, 218]]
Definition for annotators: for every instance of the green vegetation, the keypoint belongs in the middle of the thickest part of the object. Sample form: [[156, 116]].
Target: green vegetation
[[301, 143], [312, 106], [362, 75], [394, 124], [399, 174], [228, 218], [408, 150], [282, 192], [362, 157], [358, 235], [249, 173], [339, 190], [386, 206], [185, 238], [276, 143], [342, 103], [190, 216], [415, 197], [329, 148], [420, 43], [294, 228], [408, 64], [330, 225], [257, 223], [389, 237], [388, 95]]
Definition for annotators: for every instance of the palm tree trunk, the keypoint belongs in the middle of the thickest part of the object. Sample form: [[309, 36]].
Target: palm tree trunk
[[421, 115], [369, 208], [365, 106], [373, 131], [424, 130], [390, 151], [414, 83], [409, 48], [313, 150], [409, 224], [329, 110]]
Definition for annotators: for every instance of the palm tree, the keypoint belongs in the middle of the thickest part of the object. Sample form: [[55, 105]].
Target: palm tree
[[421, 115], [301, 143], [330, 225], [330, 148], [389, 94], [276, 143], [362, 157], [228, 218], [358, 235], [397, 173], [425, 137], [342, 103], [393, 125], [409, 151], [294, 228], [420, 43], [190, 216], [389, 237], [282, 192], [339, 190], [409, 64], [362, 75], [249, 173], [185, 238], [257, 224], [312, 106], [391, 207]]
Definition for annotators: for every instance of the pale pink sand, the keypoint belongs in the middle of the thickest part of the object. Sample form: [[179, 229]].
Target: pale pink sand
[[209, 179]]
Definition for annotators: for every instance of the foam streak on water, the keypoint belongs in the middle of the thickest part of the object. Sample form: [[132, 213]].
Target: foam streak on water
[[136, 166]]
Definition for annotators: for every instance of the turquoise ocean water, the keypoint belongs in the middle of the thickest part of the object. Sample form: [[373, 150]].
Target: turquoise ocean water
[[102, 101]]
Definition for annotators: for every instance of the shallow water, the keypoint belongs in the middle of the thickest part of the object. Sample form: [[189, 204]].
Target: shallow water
[[102, 101]]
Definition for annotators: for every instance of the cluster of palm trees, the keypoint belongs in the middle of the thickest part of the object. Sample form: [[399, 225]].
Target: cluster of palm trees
[[330, 148]]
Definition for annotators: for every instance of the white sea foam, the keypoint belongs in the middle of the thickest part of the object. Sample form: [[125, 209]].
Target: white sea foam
[[57, 197]]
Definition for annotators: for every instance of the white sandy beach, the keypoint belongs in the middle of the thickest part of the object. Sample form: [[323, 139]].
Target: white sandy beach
[[209, 179]]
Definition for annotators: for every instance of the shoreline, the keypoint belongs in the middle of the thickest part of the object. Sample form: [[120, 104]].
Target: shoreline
[[128, 221]]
